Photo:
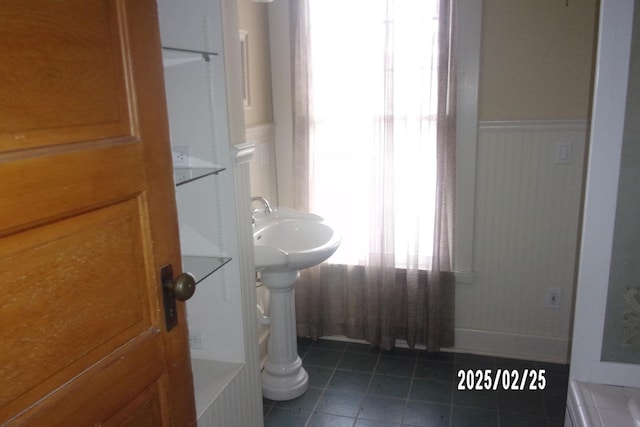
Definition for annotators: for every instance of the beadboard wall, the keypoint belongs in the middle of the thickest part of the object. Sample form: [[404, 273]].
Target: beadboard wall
[[239, 402], [262, 170], [263, 165], [527, 216]]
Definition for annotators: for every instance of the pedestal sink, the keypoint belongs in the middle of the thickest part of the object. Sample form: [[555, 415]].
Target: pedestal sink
[[286, 241]]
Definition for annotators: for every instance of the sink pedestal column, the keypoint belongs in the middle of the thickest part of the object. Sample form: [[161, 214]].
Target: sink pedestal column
[[283, 377]]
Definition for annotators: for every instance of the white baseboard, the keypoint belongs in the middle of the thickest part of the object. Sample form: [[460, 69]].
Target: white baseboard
[[515, 346], [498, 344]]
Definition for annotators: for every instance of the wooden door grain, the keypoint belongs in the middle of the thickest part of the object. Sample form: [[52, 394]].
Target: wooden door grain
[[87, 219]]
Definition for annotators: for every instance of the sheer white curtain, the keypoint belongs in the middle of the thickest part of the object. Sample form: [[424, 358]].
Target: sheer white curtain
[[373, 129], [373, 152]]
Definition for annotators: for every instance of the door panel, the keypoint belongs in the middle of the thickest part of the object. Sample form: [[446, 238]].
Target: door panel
[[41, 185], [104, 391], [87, 220], [77, 88], [85, 299], [144, 411]]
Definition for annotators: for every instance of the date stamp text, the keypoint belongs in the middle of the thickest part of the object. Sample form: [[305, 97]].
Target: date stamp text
[[501, 379]]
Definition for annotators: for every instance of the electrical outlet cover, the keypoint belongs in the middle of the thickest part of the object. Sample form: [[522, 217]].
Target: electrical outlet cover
[[195, 340], [552, 298], [181, 157]]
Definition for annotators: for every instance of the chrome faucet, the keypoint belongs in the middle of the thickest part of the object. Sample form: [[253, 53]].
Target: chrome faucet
[[265, 204]]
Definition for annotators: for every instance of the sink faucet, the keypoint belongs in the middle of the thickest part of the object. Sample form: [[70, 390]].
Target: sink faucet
[[265, 204]]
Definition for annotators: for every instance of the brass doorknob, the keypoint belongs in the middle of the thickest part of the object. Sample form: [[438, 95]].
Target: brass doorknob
[[182, 286]]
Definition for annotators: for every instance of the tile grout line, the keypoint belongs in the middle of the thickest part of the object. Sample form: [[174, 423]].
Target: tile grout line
[[324, 389], [365, 394], [406, 399], [454, 386], [547, 418]]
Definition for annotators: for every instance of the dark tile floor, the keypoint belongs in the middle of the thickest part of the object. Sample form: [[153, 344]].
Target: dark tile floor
[[351, 385]]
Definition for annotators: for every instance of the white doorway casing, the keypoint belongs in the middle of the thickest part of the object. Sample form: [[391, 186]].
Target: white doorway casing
[[608, 114]]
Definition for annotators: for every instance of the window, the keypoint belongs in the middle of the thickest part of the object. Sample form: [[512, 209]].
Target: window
[[374, 92]]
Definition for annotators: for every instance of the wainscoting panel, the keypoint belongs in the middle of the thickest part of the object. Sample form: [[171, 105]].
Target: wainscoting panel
[[527, 215], [263, 165], [262, 170], [240, 402]]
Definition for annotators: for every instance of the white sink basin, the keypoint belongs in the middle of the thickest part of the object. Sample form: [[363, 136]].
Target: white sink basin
[[287, 240]]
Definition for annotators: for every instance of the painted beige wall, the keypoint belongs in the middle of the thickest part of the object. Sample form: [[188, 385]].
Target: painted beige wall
[[254, 20], [536, 59]]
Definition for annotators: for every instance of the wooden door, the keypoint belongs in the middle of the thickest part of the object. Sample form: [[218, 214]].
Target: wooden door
[[87, 219]]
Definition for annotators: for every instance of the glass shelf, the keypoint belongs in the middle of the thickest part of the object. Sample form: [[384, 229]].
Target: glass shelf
[[202, 266], [198, 52], [172, 57], [184, 175]]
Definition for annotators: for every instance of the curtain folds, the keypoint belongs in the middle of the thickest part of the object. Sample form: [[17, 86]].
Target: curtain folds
[[393, 278]]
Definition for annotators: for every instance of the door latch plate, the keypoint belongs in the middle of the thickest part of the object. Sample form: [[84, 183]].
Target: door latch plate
[[168, 300]]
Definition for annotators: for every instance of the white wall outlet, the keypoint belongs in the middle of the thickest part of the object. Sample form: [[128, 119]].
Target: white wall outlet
[[552, 299], [195, 340], [181, 157], [563, 153]]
